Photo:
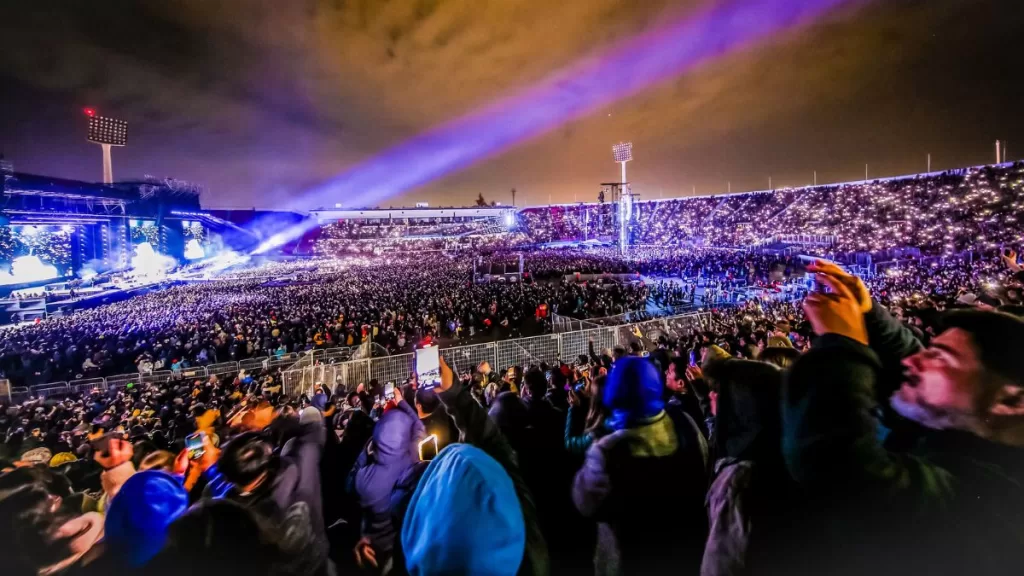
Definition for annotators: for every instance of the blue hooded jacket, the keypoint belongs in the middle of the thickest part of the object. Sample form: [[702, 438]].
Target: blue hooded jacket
[[633, 393], [395, 449], [137, 520], [464, 517]]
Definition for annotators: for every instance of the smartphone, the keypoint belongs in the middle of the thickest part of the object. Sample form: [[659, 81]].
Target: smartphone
[[194, 445], [428, 367], [428, 448], [693, 357], [389, 391]]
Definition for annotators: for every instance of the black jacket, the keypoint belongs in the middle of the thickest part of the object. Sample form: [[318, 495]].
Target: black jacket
[[291, 498], [955, 505], [642, 530]]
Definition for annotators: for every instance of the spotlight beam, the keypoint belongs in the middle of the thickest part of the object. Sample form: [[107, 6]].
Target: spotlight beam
[[621, 70]]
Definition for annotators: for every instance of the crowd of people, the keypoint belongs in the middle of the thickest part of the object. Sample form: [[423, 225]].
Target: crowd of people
[[943, 214], [869, 424], [279, 308], [876, 426], [347, 237], [282, 308]]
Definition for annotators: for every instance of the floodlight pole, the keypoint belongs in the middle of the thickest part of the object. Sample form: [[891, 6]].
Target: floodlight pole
[[622, 153], [108, 165], [107, 132]]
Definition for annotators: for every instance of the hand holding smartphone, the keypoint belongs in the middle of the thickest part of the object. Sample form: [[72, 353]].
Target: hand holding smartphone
[[195, 445], [428, 368]]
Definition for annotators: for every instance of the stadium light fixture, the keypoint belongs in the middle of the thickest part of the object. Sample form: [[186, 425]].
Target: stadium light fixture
[[623, 152], [107, 132]]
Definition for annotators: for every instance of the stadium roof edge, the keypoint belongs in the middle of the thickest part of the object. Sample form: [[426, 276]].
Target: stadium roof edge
[[791, 188], [439, 212]]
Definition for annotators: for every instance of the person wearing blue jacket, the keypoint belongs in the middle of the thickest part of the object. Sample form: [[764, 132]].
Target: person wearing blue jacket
[[464, 518], [392, 451]]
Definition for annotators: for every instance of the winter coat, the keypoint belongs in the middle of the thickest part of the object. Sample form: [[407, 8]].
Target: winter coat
[[646, 452], [477, 428], [953, 505], [751, 497], [393, 450], [291, 500]]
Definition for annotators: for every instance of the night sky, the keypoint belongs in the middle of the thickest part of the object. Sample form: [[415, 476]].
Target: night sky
[[262, 100]]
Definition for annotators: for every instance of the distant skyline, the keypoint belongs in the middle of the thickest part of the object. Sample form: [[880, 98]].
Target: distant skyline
[[262, 101]]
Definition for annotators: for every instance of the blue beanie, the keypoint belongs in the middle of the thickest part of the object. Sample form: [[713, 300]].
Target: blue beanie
[[319, 401], [139, 515], [633, 392], [464, 517]]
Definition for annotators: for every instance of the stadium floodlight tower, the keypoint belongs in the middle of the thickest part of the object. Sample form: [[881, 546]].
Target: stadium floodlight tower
[[623, 152], [107, 132]]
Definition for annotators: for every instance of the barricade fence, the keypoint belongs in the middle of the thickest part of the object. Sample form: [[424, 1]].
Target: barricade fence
[[21, 393], [333, 367], [566, 347]]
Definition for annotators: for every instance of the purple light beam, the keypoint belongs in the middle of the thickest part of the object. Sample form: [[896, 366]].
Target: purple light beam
[[623, 69]]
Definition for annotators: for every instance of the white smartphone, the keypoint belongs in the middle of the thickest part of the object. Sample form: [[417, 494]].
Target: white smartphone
[[428, 448], [428, 367], [389, 391]]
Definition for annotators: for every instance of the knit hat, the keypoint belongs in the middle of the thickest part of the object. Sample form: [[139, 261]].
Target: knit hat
[[633, 392], [967, 299], [464, 517], [140, 514], [715, 352]]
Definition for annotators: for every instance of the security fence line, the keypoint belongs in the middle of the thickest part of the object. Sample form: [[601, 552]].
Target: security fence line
[[550, 348], [351, 366], [21, 393]]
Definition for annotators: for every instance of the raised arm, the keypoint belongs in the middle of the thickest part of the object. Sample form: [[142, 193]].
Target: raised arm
[[476, 428], [575, 445], [830, 438], [888, 338]]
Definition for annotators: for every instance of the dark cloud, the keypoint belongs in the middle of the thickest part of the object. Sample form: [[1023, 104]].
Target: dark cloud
[[260, 99]]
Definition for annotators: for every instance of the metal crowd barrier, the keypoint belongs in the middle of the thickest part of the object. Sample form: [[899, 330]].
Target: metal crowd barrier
[[22, 393], [333, 367], [550, 348]]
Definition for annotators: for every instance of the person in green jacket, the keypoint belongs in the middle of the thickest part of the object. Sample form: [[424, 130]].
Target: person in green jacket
[[954, 504]]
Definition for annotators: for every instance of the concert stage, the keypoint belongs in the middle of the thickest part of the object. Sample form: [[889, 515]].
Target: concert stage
[[55, 230]]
